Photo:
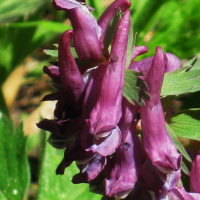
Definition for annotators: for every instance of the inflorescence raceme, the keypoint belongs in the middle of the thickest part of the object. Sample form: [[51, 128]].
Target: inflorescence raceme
[[97, 125]]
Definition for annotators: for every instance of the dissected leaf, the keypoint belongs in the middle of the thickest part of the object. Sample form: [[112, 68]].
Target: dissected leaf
[[184, 168], [52, 186], [130, 45], [14, 176], [181, 82], [135, 88], [112, 29], [54, 53], [177, 143], [186, 124]]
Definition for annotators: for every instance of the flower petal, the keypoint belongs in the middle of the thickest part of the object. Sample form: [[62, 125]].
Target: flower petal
[[179, 194], [195, 175], [104, 145], [90, 170], [86, 30], [127, 166], [128, 163], [69, 73], [172, 62], [157, 181], [138, 50]]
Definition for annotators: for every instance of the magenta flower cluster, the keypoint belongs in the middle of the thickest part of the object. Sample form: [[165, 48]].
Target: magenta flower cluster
[[97, 125]]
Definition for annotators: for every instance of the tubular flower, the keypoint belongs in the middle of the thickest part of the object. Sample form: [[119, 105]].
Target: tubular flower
[[108, 80], [171, 61], [128, 162], [85, 27], [157, 181], [156, 140], [195, 175], [98, 128]]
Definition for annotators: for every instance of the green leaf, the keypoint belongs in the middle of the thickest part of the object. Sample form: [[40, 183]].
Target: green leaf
[[184, 168], [112, 29], [181, 82], [52, 186], [130, 46], [186, 124], [135, 88], [14, 176], [54, 53], [193, 64], [177, 143]]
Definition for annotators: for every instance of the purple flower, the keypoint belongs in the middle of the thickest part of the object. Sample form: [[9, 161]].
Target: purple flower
[[71, 78], [171, 61], [97, 126], [90, 169], [195, 175], [110, 12], [138, 50], [156, 140], [157, 181], [178, 193], [104, 144], [127, 167], [86, 30], [102, 110]]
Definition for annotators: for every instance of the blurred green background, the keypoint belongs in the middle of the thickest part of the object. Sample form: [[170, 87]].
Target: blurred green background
[[28, 27]]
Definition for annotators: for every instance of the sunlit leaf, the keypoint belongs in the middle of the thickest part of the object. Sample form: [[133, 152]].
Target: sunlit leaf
[[135, 88], [177, 143], [54, 53], [186, 124], [181, 82]]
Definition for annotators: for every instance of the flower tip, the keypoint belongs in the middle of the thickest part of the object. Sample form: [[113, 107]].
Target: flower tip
[[159, 51], [124, 4], [169, 167], [67, 35]]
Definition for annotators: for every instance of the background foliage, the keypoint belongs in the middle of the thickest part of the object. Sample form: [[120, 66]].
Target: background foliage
[[28, 163]]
